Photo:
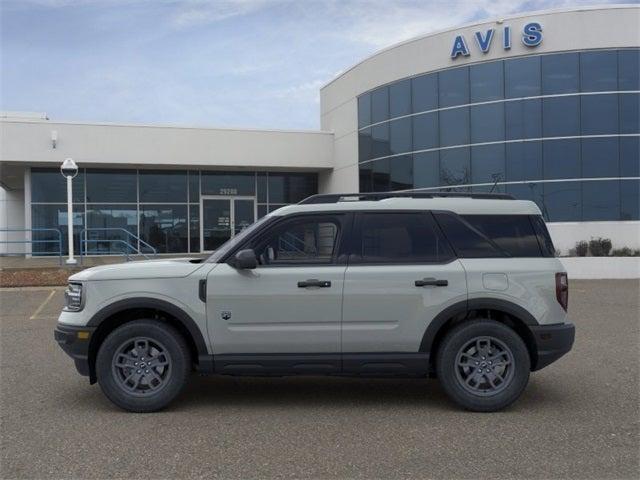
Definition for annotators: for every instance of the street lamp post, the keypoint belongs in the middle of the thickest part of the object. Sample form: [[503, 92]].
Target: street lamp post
[[69, 169]]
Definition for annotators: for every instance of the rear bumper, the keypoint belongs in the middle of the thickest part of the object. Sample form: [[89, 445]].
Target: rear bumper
[[552, 342], [75, 343]]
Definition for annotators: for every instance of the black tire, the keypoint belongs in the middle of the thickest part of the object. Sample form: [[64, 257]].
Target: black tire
[[476, 391], [161, 384]]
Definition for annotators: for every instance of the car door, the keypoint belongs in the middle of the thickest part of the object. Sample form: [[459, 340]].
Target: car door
[[289, 308], [401, 274]]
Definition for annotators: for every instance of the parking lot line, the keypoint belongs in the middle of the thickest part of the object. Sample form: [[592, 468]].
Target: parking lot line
[[42, 305]]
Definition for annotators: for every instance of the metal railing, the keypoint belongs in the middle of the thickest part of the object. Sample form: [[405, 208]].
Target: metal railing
[[131, 243], [31, 241]]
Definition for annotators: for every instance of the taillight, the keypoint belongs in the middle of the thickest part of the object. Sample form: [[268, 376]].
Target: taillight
[[562, 290]]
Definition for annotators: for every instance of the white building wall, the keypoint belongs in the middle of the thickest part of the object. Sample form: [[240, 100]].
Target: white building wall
[[11, 217]]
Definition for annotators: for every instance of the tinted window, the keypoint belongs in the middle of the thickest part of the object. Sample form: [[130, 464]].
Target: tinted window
[[454, 87], [487, 82], [291, 187], [194, 186], [629, 69], [216, 183], [522, 77], [365, 177], [380, 105], [523, 119], [55, 217], [380, 175], [48, 185], [364, 144], [599, 114], [400, 135], [629, 113], [261, 185], [562, 201], [401, 172], [425, 131], [487, 164], [600, 157], [194, 227], [454, 127], [629, 204], [364, 110], [380, 141], [512, 233], [115, 219], [300, 241], [467, 241], [111, 186], [523, 161], [165, 227], [487, 123], [544, 239], [400, 238], [166, 187], [400, 99], [424, 93], [560, 73], [598, 71], [561, 159], [561, 116], [426, 169], [630, 156], [601, 200], [455, 168]]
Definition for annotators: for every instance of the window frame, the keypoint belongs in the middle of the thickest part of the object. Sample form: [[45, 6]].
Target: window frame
[[355, 257]]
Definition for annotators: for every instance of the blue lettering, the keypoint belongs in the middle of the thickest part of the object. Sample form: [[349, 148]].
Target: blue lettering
[[459, 47], [484, 42], [506, 38], [532, 34]]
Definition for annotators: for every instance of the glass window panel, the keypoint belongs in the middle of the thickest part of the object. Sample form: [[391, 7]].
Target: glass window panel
[[401, 238], [629, 70], [365, 145], [110, 224], [630, 199], [424, 92], [365, 178], [467, 242], [262, 211], [111, 186], [630, 156], [364, 110], [455, 166], [528, 191], [454, 127], [194, 186], [523, 161], [381, 175], [601, 200], [164, 227], [512, 233], [261, 184], [561, 159], [629, 113], [599, 114], [228, 183], [487, 164], [194, 228], [400, 98], [599, 71], [53, 216], [562, 201], [561, 116], [487, 81], [163, 186], [453, 87], [400, 135], [49, 186], [600, 157], [380, 105], [425, 131], [291, 187], [522, 77], [560, 73], [426, 169], [401, 172], [523, 119], [380, 141], [487, 123], [274, 206]]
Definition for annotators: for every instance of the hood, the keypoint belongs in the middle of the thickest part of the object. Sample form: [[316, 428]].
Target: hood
[[169, 268]]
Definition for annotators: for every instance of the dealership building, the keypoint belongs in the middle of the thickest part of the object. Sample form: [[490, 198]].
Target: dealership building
[[543, 106]]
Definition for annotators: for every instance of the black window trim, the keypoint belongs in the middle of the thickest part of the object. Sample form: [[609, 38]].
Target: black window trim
[[356, 233]]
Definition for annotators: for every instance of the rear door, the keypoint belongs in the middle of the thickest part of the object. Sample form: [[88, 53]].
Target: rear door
[[401, 274]]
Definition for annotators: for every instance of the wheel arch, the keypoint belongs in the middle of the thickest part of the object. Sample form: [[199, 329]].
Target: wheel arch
[[127, 310]]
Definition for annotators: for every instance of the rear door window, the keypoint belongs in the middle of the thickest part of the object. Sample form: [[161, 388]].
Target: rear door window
[[467, 240]]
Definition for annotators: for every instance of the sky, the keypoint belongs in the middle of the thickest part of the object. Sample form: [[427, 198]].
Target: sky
[[219, 63]]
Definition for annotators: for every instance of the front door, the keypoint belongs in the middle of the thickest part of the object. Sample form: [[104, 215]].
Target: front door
[[223, 217]]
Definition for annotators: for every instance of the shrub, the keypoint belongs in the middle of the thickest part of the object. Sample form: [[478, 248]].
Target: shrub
[[600, 247], [581, 248], [625, 252]]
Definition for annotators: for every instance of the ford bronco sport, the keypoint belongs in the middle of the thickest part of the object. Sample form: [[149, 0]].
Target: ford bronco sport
[[463, 287]]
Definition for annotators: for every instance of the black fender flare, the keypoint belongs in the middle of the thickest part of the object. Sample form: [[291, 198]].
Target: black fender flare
[[156, 304], [464, 307]]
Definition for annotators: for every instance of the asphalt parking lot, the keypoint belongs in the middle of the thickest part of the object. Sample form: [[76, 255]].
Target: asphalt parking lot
[[578, 418]]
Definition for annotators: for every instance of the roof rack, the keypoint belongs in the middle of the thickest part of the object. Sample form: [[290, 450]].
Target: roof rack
[[357, 197]]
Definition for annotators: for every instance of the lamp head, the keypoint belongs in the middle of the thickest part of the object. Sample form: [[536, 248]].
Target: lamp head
[[69, 168]]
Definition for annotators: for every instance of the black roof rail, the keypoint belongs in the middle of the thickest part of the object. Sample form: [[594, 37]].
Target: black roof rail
[[357, 197]]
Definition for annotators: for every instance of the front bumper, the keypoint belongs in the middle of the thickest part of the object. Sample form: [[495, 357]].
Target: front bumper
[[552, 342], [75, 340]]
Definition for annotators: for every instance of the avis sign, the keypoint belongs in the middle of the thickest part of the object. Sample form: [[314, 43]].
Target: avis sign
[[531, 37]]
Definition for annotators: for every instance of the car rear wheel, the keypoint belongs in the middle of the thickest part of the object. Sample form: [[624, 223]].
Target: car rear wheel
[[483, 365], [143, 365]]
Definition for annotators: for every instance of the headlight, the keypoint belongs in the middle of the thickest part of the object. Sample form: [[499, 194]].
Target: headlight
[[73, 297]]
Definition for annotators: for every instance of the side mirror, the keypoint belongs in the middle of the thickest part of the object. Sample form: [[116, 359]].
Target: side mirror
[[245, 259]]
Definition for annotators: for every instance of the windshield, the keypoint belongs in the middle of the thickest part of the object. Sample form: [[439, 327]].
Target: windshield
[[239, 238]]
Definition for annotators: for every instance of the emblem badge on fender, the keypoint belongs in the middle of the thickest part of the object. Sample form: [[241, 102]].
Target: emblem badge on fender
[[225, 315]]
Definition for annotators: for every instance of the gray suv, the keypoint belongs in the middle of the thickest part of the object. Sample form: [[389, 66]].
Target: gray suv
[[462, 287]]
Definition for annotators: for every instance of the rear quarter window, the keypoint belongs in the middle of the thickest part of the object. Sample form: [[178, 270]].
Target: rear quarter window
[[514, 234]]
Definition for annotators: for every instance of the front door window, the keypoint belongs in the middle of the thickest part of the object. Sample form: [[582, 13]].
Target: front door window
[[222, 218]]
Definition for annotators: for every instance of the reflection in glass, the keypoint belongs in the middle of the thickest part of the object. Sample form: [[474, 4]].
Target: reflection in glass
[[487, 123], [163, 186], [53, 216], [561, 159], [523, 161], [562, 201], [364, 110], [560, 73], [630, 157], [426, 169], [401, 172], [601, 200], [454, 127], [380, 141], [598, 71], [600, 157], [228, 183], [522, 77], [112, 186], [400, 135], [599, 114], [400, 98], [629, 195], [455, 168], [164, 227], [216, 223], [111, 222], [380, 174], [629, 69], [523, 119], [487, 81], [380, 105], [454, 87], [629, 113], [487, 164], [194, 228], [424, 92], [49, 186], [425, 131]]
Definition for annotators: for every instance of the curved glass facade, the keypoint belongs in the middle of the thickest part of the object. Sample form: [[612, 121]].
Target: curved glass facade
[[560, 129]]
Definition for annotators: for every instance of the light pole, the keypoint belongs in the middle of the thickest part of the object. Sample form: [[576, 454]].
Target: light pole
[[69, 169]]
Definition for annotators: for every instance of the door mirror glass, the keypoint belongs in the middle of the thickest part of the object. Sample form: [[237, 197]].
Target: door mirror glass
[[245, 259]]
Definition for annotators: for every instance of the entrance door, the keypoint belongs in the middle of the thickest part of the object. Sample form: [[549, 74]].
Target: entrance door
[[223, 217]]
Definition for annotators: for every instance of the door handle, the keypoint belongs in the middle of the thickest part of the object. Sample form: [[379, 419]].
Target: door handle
[[314, 283], [431, 282]]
